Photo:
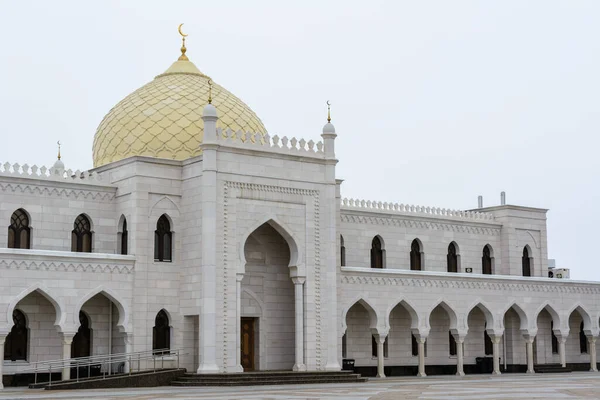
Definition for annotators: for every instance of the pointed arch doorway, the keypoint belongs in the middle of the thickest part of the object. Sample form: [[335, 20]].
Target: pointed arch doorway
[[269, 303]]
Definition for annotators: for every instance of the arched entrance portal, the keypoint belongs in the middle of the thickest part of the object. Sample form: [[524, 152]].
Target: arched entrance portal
[[267, 310]]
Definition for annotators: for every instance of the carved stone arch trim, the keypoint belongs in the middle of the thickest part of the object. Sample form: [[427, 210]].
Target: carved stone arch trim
[[485, 309], [160, 200], [588, 324], [535, 242], [523, 317], [123, 321], [556, 317], [59, 308], [251, 293], [452, 314], [415, 321], [296, 263], [374, 320]]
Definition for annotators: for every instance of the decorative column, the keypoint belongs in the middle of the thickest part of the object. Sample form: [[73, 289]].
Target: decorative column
[[421, 339], [128, 338], [592, 351], [460, 340], [238, 323], [529, 340], [496, 352], [561, 349], [380, 339], [67, 339], [2, 339], [208, 290], [299, 312]]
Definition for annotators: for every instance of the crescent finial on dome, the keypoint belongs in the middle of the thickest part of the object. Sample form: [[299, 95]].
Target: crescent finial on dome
[[182, 57]]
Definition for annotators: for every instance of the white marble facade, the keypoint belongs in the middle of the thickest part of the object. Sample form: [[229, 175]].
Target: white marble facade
[[256, 232]]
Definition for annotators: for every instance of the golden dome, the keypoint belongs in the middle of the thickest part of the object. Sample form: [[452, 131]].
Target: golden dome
[[164, 118]]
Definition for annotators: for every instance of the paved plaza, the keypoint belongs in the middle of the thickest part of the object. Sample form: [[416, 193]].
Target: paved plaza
[[509, 386]]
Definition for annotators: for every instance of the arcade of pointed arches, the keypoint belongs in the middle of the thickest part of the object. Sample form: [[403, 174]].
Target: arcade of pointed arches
[[468, 337]]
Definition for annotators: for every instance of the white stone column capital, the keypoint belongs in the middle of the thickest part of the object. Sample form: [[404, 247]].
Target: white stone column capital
[[239, 277], [298, 280], [67, 338]]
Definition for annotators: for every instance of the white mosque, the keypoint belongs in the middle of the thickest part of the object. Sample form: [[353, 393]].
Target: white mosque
[[197, 230]]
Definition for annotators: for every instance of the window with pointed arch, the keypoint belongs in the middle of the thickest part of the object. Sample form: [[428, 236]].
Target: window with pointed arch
[[415, 346], [161, 334], [19, 232], [583, 342], [377, 253], [17, 341], [451, 344], [415, 256], [124, 237], [486, 260], [488, 346], [526, 262], [163, 240], [342, 252], [374, 352], [452, 258], [81, 236], [82, 341], [554, 339]]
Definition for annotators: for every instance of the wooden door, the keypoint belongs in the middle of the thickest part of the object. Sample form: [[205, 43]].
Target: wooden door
[[247, 344]]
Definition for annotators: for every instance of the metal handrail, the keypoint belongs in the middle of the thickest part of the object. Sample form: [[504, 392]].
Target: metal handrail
[[104, 360]]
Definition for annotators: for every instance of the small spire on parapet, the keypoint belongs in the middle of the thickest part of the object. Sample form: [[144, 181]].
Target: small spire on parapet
[[58, 166], [209, 91], [182, 57], [328, 111]]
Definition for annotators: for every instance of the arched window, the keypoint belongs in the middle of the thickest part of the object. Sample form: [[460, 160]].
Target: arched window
[[415, 256], [583, 343], [377, 253], [124, 237], [82, 341], [81, 236], [415, 346], [554, 339], [342, 251], [19, 232], [526, 261], [486, 261], [452, 258], [162, 239], [161, 333], [15, 346], [487, 340], [451, 344]]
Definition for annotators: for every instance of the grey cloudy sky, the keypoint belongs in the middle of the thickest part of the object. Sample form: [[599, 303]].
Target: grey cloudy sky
[[435, 102]]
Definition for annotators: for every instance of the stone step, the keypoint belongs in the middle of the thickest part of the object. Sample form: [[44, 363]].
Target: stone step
[[550, 368], [266, 382], [268, 378], [264, 376]]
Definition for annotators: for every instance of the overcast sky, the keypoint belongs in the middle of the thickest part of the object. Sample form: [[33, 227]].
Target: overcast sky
[[434, 102]]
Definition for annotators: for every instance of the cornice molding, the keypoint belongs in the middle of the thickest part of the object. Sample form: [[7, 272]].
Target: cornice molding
[[415, 222]]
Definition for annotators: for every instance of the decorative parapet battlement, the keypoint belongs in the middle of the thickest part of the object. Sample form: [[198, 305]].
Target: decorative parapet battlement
[[53, 174], [275, 144], [378, 206]]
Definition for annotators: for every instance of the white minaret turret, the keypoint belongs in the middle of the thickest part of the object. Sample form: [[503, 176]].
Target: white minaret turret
[[58, 169], [208, 289], [210, 117], [329, 136]]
